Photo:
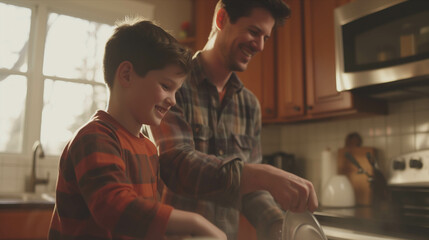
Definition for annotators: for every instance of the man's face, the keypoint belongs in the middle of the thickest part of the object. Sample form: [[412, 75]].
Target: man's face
[[154, 94], [246, 37]]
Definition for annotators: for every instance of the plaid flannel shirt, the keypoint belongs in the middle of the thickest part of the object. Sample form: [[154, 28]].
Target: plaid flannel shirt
[[108, 186], [203, 144]]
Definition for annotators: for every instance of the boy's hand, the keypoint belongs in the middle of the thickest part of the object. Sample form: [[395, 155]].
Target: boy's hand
[[290, 191]]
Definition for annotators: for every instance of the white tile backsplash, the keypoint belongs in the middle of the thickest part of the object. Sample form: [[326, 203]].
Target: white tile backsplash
[[392, 124], [408, 143], [15, 172], [393, 147], [422, 121], [379, 125], [421, 104], [406, 121], [422, 141], [404, 129]]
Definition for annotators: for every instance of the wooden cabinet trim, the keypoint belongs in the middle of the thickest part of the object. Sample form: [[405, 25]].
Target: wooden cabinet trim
[[290, 61]]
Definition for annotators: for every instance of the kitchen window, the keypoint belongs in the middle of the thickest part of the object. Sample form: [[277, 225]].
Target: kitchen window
[[51, 76], [13, 74], [72, 77]]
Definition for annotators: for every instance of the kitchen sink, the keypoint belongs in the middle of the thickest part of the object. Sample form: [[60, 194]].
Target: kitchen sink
[[27, 198]]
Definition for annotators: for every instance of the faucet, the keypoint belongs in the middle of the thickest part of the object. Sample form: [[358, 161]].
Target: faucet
[[33, 179]]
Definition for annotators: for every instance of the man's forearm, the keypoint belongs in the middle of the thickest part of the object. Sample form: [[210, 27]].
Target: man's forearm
[[251, 178], [262, 212], [290, 191]]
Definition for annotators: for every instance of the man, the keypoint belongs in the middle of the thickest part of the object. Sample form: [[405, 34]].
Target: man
[[209, 142]]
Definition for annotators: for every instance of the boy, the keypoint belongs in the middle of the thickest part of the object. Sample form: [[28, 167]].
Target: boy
[[108, 174]]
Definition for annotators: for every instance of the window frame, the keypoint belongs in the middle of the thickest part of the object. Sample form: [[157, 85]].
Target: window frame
[[107, 12]]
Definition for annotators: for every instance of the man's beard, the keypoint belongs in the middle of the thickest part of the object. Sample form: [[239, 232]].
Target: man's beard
[[234, 65]]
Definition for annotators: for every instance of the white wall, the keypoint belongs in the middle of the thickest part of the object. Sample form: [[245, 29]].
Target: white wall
[[404, 129], [170, 14]]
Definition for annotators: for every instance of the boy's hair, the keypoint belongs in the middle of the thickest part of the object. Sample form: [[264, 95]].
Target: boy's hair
[[146, 45], [243, 8]]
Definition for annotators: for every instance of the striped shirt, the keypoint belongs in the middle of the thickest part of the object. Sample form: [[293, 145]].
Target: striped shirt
[[203, 144], [108, 186]]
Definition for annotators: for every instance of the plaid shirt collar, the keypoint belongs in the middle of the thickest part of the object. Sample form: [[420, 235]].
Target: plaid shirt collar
[[201, 78]]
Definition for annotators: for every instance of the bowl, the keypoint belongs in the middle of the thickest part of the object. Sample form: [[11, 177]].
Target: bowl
[[301, 226], [338, 192]]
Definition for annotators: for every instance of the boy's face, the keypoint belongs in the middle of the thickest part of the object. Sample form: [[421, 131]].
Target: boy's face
[[246, 37], [154, 94]]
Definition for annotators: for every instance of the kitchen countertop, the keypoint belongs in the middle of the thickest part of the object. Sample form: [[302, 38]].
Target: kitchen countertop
[[26, 205], [25, 201], [380, 220]]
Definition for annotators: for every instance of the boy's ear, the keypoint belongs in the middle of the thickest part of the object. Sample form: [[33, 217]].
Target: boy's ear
[[124, 73], [221, 18]]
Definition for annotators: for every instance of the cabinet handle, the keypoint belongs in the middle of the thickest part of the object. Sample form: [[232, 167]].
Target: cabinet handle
[[309, 107], [297, 108]]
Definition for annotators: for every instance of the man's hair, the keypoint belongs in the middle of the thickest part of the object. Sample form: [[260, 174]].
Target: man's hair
[[243, 8], [144, 44]]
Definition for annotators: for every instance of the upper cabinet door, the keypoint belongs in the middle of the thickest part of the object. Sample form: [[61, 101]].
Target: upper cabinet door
[[290, 68], [203, 15], [322, 95]]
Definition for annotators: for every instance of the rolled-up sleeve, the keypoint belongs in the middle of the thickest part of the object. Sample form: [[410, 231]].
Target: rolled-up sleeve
[[191, 172], [259, 207]]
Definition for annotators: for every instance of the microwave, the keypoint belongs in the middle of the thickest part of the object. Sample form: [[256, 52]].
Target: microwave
[[382, 45]]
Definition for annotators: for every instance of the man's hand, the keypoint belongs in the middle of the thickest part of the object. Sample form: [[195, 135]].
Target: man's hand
[[290, 191]]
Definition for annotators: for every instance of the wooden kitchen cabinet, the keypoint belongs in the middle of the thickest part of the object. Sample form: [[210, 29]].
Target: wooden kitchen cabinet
[[202, 19], [290, 65], [202, 14], [24, 223], [322, 98], [305, 58]]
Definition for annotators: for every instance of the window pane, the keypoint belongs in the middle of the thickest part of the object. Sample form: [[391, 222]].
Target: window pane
[[14, 33], [75, 47], [13, 91], [66, 107]]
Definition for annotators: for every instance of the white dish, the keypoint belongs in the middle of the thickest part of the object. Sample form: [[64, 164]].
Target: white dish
[[338, 192], [299, 226]]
